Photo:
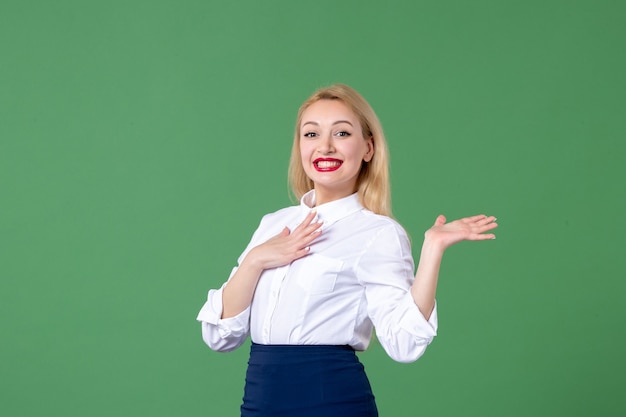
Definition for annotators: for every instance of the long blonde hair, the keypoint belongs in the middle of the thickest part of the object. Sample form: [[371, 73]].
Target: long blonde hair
[[373, 185]]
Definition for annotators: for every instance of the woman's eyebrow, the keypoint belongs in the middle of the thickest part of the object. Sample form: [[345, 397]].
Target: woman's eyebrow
[[334, 123]]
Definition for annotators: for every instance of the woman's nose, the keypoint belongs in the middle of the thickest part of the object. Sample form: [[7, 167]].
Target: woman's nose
[[326, 145]]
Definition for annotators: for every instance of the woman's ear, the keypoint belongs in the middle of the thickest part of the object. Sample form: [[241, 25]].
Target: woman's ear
[[370, 149]]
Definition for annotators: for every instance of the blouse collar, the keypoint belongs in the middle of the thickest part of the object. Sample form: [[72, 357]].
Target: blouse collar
[[333, 211]]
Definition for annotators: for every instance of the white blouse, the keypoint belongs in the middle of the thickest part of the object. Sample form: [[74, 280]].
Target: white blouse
[[357, 276]]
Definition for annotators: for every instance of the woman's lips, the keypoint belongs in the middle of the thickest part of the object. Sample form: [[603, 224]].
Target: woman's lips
[[327, 164]]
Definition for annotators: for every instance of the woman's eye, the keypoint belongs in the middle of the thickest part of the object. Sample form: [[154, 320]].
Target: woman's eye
[[343, 133], [310, 134]]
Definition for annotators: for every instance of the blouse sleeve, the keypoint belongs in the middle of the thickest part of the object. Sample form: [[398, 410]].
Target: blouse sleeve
[[386, 270], [222, 335]]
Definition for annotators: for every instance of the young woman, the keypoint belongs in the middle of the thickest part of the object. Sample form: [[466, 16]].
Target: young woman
[[317, 278]]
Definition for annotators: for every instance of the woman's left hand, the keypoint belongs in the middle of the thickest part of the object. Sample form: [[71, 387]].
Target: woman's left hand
[[444, 234]]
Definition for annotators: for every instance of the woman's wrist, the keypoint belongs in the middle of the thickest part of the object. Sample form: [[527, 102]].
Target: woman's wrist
[[252, 264], [432, 247]]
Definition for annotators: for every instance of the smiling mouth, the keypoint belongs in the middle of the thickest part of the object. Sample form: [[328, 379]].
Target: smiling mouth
[[327, 164]]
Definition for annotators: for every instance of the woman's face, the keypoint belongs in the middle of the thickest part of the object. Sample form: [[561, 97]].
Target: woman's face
[[332, 149]]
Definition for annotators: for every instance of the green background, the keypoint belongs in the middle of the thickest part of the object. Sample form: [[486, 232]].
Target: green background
[[141, 142]]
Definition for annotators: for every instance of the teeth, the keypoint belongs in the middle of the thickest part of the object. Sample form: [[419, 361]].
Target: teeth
[[328, 164]]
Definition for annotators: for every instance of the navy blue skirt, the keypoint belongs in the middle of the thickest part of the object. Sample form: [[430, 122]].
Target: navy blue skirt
[[303, 381]]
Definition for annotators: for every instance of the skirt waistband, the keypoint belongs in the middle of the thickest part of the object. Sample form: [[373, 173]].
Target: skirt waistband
[[297, 354], [288, 348]]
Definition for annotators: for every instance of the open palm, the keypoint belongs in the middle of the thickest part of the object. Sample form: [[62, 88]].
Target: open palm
[[469, 228]]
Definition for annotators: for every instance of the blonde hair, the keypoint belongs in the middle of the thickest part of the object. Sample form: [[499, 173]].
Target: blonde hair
[[373, 186]]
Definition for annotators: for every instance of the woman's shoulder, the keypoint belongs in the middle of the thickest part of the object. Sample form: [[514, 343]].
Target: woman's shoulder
[[380, 221], [280, 214], [271, 224]]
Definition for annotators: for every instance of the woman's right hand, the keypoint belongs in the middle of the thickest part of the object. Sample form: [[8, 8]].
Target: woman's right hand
[[287, 246]]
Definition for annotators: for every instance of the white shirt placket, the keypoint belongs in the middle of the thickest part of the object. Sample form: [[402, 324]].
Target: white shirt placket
[[277, 280]]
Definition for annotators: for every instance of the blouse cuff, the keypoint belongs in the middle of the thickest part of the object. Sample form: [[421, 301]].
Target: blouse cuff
[[211, 313], [416, 324]]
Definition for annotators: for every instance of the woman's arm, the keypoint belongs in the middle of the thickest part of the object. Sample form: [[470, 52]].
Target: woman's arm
[[280, 250], [437, 239]]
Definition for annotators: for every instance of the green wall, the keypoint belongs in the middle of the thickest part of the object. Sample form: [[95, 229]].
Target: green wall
[[141, 142]]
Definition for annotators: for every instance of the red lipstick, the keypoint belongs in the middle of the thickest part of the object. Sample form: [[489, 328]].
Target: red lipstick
[[327, 164]]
